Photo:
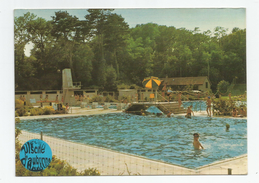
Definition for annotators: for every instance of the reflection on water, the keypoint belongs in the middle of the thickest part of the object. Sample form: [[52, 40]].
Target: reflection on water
[[160, 138]]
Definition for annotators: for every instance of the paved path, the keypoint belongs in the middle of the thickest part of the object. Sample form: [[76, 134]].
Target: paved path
[[110, 162], [76, 111]]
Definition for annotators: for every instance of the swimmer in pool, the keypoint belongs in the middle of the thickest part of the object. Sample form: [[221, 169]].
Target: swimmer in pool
[[189, 112], [196, 144]]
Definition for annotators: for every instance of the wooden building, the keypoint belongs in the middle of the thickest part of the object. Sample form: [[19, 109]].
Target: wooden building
[[201, 83]]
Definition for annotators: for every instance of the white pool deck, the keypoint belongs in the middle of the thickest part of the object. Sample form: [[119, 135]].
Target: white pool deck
[[110, 162]]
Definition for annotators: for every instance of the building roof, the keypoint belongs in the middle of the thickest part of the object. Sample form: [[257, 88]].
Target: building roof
[[185, 80]]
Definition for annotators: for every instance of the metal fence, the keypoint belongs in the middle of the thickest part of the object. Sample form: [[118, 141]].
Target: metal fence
[[109, 162]]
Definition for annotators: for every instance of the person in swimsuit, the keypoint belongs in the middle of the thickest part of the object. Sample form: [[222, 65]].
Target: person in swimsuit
[[242, 112], [189, 112], [179, 99], [234, 112], [208, 107], [67, 108], [196, 144]]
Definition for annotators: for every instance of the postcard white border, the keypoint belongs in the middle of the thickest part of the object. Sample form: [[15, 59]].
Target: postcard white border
[[7, 165]]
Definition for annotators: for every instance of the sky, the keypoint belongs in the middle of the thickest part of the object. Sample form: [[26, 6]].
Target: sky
[[189, 18]]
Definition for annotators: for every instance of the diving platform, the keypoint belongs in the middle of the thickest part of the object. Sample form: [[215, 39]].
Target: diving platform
[[135, 108]]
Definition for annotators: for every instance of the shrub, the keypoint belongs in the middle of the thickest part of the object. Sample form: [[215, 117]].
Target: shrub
[[109, 99], [18, 104], [36, 111], [48, 110], [57, 167], [90, 171], [17, 132], [224, 107], [134, 86], [192, 97], [60, 112], [96, 98], [123, 86], [222, 86], [17, 120], [21, 111]]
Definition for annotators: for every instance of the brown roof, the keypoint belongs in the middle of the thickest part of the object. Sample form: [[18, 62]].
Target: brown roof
[[184, 80]]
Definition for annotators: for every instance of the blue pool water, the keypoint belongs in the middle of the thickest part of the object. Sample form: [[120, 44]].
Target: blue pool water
[[197, 105], [159, 138]]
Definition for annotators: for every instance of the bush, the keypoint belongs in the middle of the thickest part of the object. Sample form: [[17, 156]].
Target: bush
[[224, 107], [36, 111], [60, 112], [90, 171], [96, 98], [109, 99], [57, 167], [192, 97], [222, 86], [22, 111], [17, 120], [18, 104], [123, 86], [48, 110]]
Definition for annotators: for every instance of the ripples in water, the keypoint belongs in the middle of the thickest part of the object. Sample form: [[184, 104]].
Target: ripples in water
[[160, 138]]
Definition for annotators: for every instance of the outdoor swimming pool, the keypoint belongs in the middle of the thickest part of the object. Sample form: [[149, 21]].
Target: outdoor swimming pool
[[159, 138], [197, 105]]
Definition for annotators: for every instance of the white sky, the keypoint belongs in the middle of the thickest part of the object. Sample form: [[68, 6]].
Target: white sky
[[189, 18]]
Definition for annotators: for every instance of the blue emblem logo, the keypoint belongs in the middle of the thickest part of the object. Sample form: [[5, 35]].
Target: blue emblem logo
[[35, 155]]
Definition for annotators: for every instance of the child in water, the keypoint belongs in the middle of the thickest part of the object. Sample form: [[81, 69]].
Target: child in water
[[189, 112], [196, 143]]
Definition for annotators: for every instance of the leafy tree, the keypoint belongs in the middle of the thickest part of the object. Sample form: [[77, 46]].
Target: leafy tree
[[223, 86], [116, 32], [111, 76], [83, 57], [96, 20], [103, 43], [21, 38], [64, 31]]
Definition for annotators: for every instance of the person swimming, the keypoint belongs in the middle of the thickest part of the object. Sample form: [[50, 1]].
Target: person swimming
[[189, 112], [196, 144]]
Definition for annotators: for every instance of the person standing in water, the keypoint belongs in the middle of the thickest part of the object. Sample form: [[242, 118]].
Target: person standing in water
[[179, 99], [189, 112], [196, 143], [208, 107]]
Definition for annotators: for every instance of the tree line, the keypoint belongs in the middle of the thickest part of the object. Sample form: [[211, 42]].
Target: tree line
[[103, 52]]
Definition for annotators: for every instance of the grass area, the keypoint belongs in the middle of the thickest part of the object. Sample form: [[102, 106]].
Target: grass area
[[238, 89]]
